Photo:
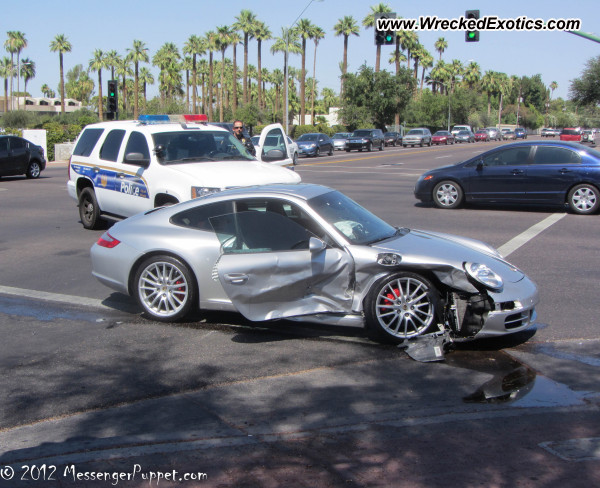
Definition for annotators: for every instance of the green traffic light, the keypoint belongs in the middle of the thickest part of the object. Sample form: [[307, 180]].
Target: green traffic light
[[471, 35]]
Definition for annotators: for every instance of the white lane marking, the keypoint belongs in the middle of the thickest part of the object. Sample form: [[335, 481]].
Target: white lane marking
[[516, 242], [442, 157], [54, 297]]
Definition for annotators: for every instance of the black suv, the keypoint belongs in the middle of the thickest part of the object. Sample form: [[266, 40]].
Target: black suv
[[366, 139], [18, 156]]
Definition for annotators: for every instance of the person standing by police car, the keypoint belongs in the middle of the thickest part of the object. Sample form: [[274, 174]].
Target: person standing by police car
[[238, 131]]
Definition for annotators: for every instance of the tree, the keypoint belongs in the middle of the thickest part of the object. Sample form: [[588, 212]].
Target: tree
[[211, 46], [286, 43], [27, 70], [346, 27], [195, 46], [440, 46], [373, 98], [6, 72], [146, 78], [261, 33], [137, 54], [61, 45], [96, 64], [490, 85], [15, 43], [246, 22], [317, 35], [112, 59], [123, 69], [304, 30], [79, 85], [223, 41], [585, 90], [369, 21], [472, 74], [553, 86]]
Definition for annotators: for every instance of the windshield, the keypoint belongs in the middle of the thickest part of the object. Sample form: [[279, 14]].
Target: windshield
[[339, 135], [441, 133], [195, 146], [307, 137], [415, 131], [356, 223], [361, 133]]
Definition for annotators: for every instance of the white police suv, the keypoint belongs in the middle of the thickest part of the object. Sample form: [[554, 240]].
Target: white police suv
[[122, 168]]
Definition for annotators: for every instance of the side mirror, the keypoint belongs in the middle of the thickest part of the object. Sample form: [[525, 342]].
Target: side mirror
[[316, 245], [479, 165], [137, 159], [273, 155], [159, 151]]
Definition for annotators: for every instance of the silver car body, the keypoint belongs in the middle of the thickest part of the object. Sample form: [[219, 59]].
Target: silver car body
[[325, 281]]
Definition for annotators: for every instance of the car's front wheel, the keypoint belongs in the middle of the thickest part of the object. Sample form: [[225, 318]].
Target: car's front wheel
[[401, 306], [165, 289], [89, 211], [295, 158], [33, 170], [447, 194], [584, 199]]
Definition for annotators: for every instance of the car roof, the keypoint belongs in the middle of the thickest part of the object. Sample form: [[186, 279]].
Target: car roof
[[304, 191], [154, 128]]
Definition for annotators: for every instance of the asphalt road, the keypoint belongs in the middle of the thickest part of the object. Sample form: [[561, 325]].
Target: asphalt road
[[86, 381]]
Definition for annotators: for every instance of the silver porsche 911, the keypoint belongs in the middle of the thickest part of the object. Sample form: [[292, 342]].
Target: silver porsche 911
[[309, 253]]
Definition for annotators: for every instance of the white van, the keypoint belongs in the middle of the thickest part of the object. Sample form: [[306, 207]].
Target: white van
[[457, 128]]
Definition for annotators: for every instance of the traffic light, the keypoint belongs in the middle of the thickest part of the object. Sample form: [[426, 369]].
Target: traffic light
[[472, 35], [112, 99], [387, 34]]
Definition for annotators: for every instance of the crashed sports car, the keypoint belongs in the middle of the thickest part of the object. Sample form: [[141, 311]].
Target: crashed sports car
[[309, 253]]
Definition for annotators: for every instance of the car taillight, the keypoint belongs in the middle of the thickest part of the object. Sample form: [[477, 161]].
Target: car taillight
[[106, 240]]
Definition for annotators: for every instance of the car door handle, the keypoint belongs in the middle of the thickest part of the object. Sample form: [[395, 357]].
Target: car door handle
[[562, 171], [122, 176], [236, 278], [517, 171]]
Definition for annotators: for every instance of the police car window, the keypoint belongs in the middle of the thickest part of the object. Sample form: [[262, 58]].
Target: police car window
[[87, 141], [111, 145], [196, 146], [137, 143]]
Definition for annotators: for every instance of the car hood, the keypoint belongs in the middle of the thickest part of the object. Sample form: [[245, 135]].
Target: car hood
[[305, 143], [419, 247], [228, 174]]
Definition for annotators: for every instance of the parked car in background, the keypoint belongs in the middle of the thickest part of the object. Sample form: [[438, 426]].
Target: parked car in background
[[392, 138], [314, 144], [340, 140], [494, 133], [457, 128], [520, 133], [482, 135], [18, 156], [508, 135], [571, 134], [366, 139], [528, 172], [587, 136], [465, 136], [442, 137], [336, 263], [547, 132], [417, 137]]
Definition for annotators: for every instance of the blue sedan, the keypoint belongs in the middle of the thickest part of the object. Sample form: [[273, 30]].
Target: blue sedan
[[314, 144], [532, 172]]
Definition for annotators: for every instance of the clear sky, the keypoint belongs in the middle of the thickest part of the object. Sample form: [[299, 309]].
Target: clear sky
[[115, 24]]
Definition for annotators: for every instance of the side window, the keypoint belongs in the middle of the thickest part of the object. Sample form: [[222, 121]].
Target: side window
[[4, 144], [507, 157], [555, 155], [199, 217], [16, 143], [137, 143], [87, 141], [111, 145], [274, 140]]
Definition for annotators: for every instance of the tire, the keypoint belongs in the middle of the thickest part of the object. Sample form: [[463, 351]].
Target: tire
[[165, 288], [89, 210], [422, 143], [330, 153], [33, 170], [295, 159], [584, 199], [401, 306], [370, 146], [318, 152], [347, 150], [381, 147], [447, 194], [429, 143]]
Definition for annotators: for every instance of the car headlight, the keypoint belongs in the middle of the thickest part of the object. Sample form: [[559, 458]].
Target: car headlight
[[484, 275], [202, 191]]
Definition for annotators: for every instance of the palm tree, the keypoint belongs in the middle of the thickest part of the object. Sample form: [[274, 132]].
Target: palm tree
[[397, 57], [317, 35], [234, 39], [369, 21], [211, 46], [123, 69], [472, 74], [553, 86], [167, 58], [286, 43], [112, 59], [504, 87], [304, 29], [440, 46], [27, 71], [61, 45], [6, 71], [408, 41], [15, 43], [346, 27], [137, 54], [96, 64], [490, 85], [195, 46], [426, 62], [455, 70], [246, 22], [146, 78], [261, 33], [46, 91], [223, 41]]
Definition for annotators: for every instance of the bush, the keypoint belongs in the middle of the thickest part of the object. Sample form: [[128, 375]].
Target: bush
[[18, 118]]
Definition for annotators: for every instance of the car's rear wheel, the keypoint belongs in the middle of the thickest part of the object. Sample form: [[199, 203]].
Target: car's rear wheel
[[295, 158], [369, 147], [89, 211], [447, 194], [584, 199], [164, 288], [317, 152], [330, 153], [401, 306], [34, 170], [381, 147]]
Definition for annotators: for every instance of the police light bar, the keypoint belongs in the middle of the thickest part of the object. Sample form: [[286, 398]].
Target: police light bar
[[175, 119], [196, 118]]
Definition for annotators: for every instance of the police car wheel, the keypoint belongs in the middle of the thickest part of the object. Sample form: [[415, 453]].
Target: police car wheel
[[89, 211]]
